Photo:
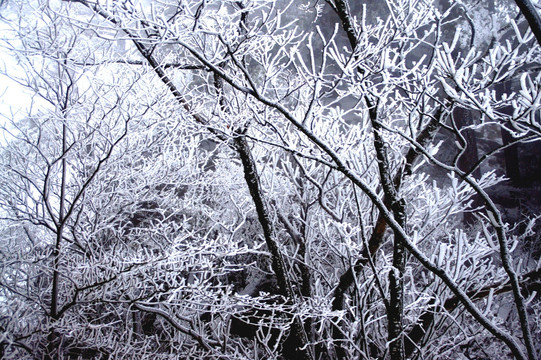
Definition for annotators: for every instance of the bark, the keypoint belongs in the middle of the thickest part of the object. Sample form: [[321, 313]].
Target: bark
[[376, 239], [397, 206], [342, 9], [54, 314], [278, 263], [395, 310], [391, 220], [305, 273], [300, 332], [532, 16]]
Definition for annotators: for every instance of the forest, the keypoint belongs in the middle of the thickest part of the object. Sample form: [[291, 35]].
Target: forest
[[270, 179]]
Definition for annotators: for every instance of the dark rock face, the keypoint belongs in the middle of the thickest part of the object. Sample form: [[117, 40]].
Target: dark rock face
[[529, 157]]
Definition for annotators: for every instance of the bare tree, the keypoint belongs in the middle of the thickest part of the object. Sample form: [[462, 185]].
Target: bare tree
[[276, 187]]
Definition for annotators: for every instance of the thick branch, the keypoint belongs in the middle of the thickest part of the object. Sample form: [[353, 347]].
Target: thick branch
[[395, 311], [532, 16], [342, 9], [165, 315], [399, 230], [376, 239], [278, 263]]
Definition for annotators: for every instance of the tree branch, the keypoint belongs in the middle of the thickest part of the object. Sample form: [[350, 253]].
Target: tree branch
[[529, 283], [532, 16]]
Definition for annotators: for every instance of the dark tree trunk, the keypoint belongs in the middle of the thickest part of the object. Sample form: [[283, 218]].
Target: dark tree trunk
[[376, 239], [395, 309], [298, 338], [464, 118], [532, 16]]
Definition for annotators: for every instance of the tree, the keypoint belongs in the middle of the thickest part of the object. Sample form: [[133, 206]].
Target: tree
[[261, 186], [86, 212]]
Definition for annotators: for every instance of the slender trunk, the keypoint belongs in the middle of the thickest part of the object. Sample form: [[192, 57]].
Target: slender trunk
[[278, 263], [51, 339], [299, 237], [395, 311], [396, 284], [376, 239], [251, 178], [56, 274]]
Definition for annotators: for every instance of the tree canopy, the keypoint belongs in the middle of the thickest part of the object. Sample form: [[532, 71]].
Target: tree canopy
[[270, 179]]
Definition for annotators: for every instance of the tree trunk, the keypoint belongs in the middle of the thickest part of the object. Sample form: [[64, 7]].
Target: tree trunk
[[376, 239], [278, 263], [395, 310]]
